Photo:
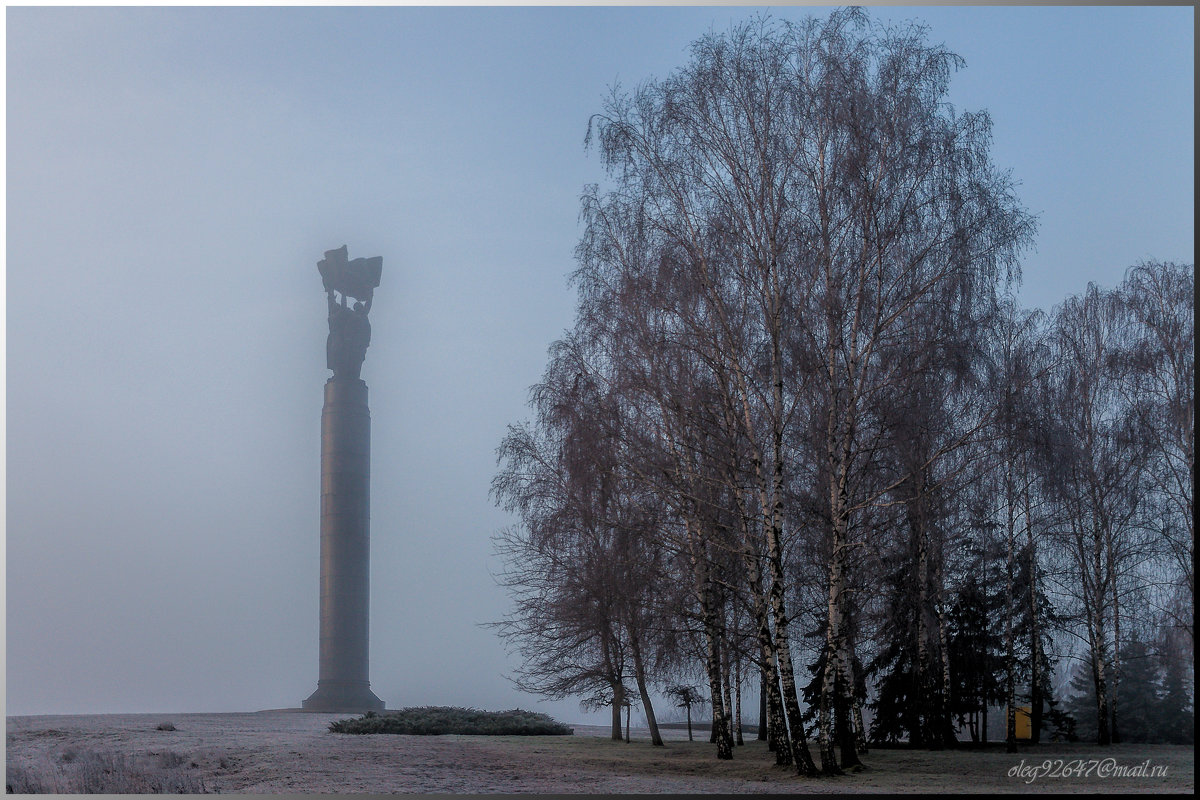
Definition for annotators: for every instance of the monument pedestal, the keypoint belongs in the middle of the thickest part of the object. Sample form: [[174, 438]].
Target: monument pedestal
[[343, 684], [343, 697]]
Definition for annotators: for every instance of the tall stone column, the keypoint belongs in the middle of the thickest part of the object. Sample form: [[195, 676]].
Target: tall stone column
[[343, 684]]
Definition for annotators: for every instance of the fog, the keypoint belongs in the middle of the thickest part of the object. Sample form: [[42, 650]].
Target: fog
[[173, 177]]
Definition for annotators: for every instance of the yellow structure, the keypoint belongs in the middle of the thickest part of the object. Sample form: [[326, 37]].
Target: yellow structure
[[1024, 723]]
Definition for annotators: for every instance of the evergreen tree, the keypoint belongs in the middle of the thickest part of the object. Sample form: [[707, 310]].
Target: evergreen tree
[[1176, 716], [975, 653], [1156, 708], [901, 696], [1037, 661]]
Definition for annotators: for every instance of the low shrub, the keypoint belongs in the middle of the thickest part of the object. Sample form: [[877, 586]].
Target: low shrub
[[441, 720]]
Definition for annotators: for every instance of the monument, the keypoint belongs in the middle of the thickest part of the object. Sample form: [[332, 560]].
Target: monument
[[342, 683]]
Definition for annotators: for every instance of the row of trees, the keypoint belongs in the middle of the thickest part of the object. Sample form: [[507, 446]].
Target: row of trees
[[802, 433]]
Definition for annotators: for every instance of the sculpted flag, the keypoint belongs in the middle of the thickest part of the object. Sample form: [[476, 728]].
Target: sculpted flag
[[358, 278]]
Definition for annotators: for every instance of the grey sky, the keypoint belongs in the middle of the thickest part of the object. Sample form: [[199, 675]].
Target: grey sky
[[173, 177]]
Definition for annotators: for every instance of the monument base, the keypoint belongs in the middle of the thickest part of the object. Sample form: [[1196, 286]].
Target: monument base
[[352, 697]]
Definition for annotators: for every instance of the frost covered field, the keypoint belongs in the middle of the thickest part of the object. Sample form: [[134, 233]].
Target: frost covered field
[[288, 752]]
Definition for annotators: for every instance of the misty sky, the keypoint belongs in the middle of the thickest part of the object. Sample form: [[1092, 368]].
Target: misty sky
[[174, 175]]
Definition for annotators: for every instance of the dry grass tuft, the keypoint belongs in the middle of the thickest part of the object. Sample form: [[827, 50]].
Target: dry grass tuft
[[91, 772]]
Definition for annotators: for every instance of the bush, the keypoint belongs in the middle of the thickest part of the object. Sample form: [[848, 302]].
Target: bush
[[441, 720]]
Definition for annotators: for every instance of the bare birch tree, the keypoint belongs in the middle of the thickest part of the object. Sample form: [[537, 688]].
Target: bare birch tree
[[903, 209], [1160, 384], [579, 569], [1097, 476]]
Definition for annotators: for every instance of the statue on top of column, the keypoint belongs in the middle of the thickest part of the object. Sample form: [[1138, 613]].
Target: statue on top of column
[[349, 329]]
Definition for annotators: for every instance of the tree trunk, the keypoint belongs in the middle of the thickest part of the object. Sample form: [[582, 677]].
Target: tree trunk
[[945, 718], [726, 680], [737, 693], [791, 701], [846, 742], [1010, 657], [1098, 638], [1100, 680], [639, 672], [618, 699], [825, 716], [1116, 662], [762, 705], [859, 728], [1037, 657], [771, 504], [720, 724], [1092, 592], [834, 610], [921, 707], [845, 700], [856, 720], [837, 452], [777, 735], [829, 675], [701, 570]]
